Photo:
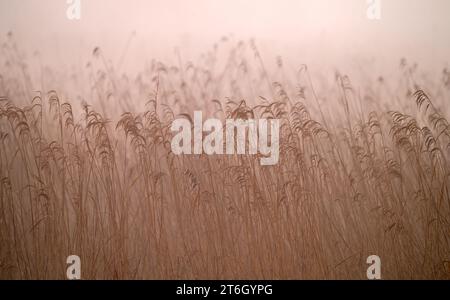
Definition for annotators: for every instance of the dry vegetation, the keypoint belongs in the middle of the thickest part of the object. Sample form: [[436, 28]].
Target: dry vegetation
[[362, 171]]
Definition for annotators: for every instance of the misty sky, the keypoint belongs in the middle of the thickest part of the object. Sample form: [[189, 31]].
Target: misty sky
[[415, 28]]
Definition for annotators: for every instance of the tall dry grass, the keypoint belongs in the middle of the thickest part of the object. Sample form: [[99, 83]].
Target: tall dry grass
[[362, 171]]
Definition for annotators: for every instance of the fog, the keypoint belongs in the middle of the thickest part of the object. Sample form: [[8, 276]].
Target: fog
[[315, 32]]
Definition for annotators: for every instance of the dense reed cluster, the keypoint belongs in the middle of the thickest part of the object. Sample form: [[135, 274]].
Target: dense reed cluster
[[363, 170]]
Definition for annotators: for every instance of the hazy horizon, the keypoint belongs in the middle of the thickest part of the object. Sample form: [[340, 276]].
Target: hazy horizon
[[310, 31]]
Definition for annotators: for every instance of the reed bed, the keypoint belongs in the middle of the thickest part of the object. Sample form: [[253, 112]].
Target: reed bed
[[363, 170]]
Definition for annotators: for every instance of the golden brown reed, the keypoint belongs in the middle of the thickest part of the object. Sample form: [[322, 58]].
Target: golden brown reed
[[349, 184]]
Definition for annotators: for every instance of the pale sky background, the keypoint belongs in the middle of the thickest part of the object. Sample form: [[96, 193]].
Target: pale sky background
[[309, 30]]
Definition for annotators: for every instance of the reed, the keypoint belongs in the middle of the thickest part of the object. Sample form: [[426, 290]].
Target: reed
[[359, 174]]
